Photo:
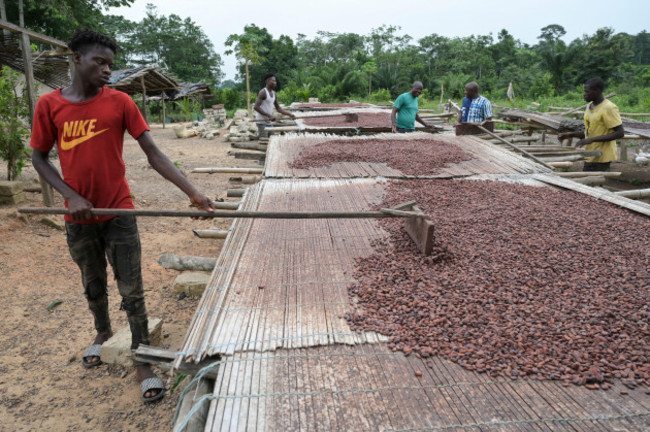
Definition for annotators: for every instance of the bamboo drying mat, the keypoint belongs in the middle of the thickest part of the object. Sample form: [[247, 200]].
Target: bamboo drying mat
[[370, 388], [488, 158], [283, 283], [290, 362]]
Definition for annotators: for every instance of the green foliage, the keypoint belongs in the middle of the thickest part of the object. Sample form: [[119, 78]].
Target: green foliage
[[14, 112], [541, 86], [304, 93], [58, 18], [250, 48], [454, 84], [230, 98], [289, 94], [185, 107], [327, 94], [379, 96], [179, 378], [178, 45]]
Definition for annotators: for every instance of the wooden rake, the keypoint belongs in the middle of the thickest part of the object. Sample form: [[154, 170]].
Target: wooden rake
[[418, 225]]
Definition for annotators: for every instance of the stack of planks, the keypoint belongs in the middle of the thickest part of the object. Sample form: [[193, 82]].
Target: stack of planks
[[633, 128]]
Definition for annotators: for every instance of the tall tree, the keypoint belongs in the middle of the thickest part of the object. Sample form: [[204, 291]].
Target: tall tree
[[249, 50], [641, 48], [554, 54], [177, 45], [59, 18], [601, 54]]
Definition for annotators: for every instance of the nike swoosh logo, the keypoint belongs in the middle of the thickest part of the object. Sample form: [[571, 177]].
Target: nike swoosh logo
[[67, 145]]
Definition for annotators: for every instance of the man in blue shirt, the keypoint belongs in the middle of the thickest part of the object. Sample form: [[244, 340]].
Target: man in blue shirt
[[476, 108], [405, 110]]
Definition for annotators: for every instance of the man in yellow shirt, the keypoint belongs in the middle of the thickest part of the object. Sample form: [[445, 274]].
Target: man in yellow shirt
[[603, 126]]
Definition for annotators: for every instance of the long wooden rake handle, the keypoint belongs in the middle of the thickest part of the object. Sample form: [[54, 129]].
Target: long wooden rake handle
[[382, 213]]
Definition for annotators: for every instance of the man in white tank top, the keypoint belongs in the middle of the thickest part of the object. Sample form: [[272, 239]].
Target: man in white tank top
[[266, 101]]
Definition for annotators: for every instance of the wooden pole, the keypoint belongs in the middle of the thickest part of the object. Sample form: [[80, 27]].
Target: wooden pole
[[164, 115], [606, 174], [235, 193], [27, 60], [184, 262], [211, 233], [230, 214], [3, 16], [248, 89], [144, 98], [590, 180], [514, 147], [561, 164], [226, 170], [634, 194], [47, 192]]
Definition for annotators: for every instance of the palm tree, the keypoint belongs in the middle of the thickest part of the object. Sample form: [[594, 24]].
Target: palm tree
[[248, 50]]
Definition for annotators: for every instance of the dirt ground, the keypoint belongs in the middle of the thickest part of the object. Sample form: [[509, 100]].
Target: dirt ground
[[43, 386]]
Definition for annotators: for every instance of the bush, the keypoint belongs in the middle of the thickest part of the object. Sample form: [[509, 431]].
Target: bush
[[541, 86], [14, 109], [289, 94], [381, 95], [303, 94], [327, 94], [231, 98]]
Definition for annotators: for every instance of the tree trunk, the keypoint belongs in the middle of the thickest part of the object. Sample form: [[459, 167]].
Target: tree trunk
[[248, 89]]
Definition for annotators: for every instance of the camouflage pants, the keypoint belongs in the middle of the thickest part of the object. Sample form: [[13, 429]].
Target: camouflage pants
[[117, 239]]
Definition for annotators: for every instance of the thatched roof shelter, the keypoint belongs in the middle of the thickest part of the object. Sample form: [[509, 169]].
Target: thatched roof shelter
[[148, 79], [143, 79], [192, 89]]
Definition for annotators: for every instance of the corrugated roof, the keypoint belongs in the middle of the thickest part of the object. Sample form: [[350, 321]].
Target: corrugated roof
[[190, 89], [130, 80]]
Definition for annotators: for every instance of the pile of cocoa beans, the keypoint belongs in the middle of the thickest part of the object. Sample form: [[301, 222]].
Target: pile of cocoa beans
[[364, 120], [414, 157], [524, 281], [331, 105]]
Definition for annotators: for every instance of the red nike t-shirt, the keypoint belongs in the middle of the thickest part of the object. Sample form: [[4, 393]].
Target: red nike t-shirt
[[90, 137]]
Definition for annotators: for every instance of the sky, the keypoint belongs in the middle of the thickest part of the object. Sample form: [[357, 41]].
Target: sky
[[450, 18]]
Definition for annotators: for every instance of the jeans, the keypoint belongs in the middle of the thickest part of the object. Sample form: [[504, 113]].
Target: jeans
[[260, 129], [118, 240], [402, 130]]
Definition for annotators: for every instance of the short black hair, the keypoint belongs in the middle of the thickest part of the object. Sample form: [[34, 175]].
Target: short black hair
[[596, 83], [267, 76], [81, 40]]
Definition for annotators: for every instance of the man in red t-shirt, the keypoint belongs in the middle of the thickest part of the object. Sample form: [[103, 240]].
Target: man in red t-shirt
[[87, 122]]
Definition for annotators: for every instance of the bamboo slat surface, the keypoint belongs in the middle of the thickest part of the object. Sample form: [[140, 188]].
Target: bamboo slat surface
[[488, 158], [370, 388], [283, 283]]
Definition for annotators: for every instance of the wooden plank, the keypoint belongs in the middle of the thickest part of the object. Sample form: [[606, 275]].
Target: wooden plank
[[605, 196], [249, 155], [572, 174], [4, 24], [514, 147], [634, 194], [165, 358], [232, 170]]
